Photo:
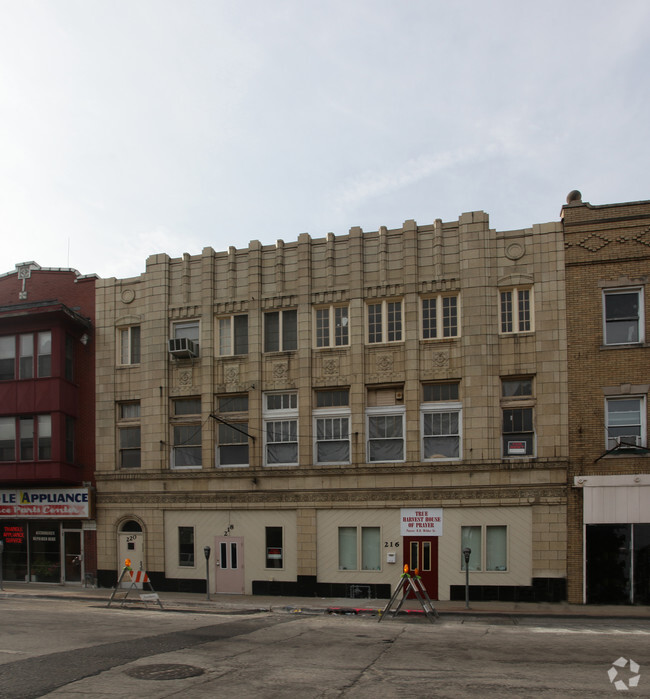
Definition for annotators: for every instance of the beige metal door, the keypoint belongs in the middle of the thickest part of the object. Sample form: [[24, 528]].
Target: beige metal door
[[229, 565]]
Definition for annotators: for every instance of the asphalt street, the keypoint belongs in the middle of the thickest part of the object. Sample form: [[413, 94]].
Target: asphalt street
[[80, 649]]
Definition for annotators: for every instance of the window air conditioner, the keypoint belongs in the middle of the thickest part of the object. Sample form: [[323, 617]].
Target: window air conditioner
[[629, 441], [183, 347]]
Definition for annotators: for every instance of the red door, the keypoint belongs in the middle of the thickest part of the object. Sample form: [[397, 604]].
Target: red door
[[421, 552]]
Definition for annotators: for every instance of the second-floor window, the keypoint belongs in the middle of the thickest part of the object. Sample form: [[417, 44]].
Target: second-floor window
[[332, 427], [26, 438], [128, 416], [625, 422], [232, 435], [384, 321], [186, 433], [280, 331], [332, 326], [280, 414], [518, 431], [441, 421]]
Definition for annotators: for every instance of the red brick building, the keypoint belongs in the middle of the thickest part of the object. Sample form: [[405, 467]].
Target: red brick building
[[607, 277], [47, 424]]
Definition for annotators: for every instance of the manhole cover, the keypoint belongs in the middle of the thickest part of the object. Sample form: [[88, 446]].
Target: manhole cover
[[168, 671]]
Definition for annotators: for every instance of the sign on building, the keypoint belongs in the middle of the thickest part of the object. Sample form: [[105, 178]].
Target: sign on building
[[421, 521]]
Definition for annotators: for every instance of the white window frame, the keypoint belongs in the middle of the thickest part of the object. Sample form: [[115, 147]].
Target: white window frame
[[191, 421], [126, 350], [285, 414], [641, 441], [333, 332], [481, 565], [438, 408], [385, 308], [516, 311], [227, 337], [640, 321], [439, 332], [385, 411], [359, 540], [128, 422], [342, 414], [242, 424]]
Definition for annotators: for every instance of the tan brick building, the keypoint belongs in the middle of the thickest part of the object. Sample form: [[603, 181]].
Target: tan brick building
[[319, 412], [608, 269]]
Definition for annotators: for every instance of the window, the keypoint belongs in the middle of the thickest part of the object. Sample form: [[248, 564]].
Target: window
[[332, 326], [29, 345], [518, 432], [26, 438], [491, 539], [331, 398], [232, 438], [7, 358], [233, 335], [280, 429], [355, 545], [188, 329], [385, 430], [440, 415], [516, 310], [186, 433], [129, 435], [623, 316], [7, 438], [186, 547], [332, 426], [235, 403], [26, 361], [44, 356], [384, 321], [439, 317], [69, 358], [232, 444], [280, 331], [274, 551], [625, 422], [130, 345], [69, 439]]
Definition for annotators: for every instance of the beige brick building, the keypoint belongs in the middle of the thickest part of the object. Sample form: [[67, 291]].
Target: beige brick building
[[321, 411], [608, 269]]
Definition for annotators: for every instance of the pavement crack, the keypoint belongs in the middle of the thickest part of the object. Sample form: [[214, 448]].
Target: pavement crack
[[385, 648]]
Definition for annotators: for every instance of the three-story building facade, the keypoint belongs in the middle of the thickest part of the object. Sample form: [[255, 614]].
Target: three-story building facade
[[320, 412]]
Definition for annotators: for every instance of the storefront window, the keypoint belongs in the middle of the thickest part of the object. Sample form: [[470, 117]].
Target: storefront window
[[45, 552], [14, 558]]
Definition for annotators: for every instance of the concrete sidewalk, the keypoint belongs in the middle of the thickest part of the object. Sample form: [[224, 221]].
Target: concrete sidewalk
[[247, 604]]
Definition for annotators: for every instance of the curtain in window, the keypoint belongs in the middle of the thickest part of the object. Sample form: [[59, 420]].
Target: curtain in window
[[441, 435], [332, 435], [471, 537], [370, 548], [496, 548], [347, 548], [385, 438]]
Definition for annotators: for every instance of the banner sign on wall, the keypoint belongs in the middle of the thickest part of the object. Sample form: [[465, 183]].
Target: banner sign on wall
[[46, 502], [421, 521]]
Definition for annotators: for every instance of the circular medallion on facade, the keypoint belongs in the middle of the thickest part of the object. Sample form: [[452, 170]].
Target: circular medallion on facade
[[515, 251], [128, 295]]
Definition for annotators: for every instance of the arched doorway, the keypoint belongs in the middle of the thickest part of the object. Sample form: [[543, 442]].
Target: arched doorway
[[130, 544]]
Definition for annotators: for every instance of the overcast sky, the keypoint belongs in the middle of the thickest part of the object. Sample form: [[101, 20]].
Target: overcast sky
[[132, 127]]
